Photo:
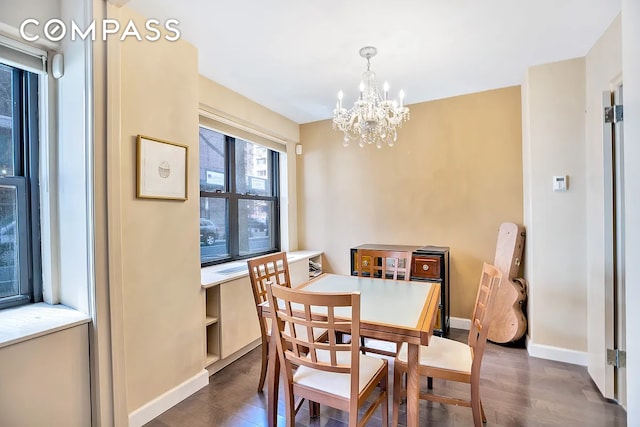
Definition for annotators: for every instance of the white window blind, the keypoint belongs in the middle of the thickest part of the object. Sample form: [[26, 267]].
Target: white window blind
[[22, 56]]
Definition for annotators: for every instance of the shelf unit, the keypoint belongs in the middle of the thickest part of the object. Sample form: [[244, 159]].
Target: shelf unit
[[212, 326], [315, 266], [230, 324]]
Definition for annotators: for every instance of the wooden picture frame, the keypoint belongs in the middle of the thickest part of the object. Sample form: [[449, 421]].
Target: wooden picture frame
[[161, 169]]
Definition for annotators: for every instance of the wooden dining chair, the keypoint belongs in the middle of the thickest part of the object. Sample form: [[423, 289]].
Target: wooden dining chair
[[263, 270], [383, 264], [329, 373], [453, 360], [394, 265]]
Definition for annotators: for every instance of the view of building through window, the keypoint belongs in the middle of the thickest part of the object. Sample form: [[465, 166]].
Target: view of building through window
[[238, 198], [18, 144]]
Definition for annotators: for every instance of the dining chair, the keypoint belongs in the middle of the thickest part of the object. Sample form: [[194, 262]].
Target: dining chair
[[453, 360], [329, 373], [263, 270], [394, 265]]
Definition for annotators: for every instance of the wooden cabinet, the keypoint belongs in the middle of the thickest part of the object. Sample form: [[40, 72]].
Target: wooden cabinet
[[428, 264], [431, 264]]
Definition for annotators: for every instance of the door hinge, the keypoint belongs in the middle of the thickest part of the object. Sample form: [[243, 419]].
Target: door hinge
[[617, 358], [613, 114]]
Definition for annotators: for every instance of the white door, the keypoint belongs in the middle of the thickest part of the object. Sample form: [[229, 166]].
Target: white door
[[606, 302], [620, 378]]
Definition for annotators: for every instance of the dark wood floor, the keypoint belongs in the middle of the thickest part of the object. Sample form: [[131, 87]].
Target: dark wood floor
[[517, 390]]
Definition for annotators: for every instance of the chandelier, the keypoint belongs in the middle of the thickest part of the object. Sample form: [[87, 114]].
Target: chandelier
[[373, 118]]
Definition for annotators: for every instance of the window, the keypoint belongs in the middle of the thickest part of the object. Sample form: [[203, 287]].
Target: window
[[20, 272], [239, 203]]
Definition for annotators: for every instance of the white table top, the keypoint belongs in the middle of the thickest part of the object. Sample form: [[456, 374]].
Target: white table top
[[383, 301]]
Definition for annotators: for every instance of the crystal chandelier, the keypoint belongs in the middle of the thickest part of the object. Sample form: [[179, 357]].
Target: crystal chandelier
[[373, 118]]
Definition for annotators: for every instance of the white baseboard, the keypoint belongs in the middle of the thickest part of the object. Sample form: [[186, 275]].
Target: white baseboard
[[541, 351], [160, 404], [459, 323], [558, 354]]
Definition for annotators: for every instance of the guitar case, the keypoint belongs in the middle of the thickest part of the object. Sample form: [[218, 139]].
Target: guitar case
[[509, 322]]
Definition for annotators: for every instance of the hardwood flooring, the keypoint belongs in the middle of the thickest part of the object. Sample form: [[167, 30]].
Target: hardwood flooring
[[517, 391]]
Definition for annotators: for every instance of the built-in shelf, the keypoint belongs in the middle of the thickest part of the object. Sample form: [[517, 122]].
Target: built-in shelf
[[212, 327], [211, 359], [315, 266], [223, 297]]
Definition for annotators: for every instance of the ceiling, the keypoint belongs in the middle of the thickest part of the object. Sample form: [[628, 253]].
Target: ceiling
[[293, 56]]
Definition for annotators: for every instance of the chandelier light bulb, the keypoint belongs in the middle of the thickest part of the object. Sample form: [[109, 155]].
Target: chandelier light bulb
[[373, 118]]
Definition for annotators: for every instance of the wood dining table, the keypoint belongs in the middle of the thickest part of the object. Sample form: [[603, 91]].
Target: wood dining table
[[391, 310]]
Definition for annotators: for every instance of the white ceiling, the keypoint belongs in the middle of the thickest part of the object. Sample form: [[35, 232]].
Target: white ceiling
[[293, 56]]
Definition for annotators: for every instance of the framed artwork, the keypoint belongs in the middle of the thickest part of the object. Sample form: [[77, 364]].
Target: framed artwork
[[161, 169]]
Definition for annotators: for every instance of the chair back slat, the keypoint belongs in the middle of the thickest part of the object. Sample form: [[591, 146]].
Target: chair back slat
[[490, 281], [298, 309], [394, 265], [268, 269]]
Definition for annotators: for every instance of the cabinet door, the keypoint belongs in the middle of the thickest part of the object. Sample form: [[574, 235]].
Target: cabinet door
[[238, 318]]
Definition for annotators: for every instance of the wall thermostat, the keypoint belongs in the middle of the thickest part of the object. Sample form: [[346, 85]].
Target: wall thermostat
[[560, 183]]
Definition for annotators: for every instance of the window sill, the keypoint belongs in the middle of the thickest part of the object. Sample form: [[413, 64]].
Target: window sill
[[35, 320], [220, 273]]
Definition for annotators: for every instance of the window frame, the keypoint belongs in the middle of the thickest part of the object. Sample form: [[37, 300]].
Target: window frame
[[233, 198], [26, 112]]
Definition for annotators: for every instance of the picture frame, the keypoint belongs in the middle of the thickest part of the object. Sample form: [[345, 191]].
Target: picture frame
[[161, 169]]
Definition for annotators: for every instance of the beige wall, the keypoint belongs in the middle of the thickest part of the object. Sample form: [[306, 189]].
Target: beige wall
[[162, 308], [555, 253], [241, 110], [45, 381], [13, 13], [453, 176]]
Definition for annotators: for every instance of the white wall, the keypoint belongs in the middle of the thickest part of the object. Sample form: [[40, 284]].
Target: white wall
[[631, 70], [603, 69], [553, 144], [73, 148]]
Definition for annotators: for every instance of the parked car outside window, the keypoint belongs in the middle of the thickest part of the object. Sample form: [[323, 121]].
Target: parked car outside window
[[208, 232]]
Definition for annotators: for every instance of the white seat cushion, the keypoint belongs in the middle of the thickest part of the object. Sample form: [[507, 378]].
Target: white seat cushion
[[442, 353], [336, 383]]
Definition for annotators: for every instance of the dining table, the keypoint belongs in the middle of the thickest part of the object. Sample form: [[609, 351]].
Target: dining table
[[391, 310]]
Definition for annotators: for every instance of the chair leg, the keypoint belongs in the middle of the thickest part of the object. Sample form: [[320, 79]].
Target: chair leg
[[353, 418], [290, 406], [476, 405], [265, 362], [484, 418], [362, 345], [397, 387], [384, 386], [314, 409]]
